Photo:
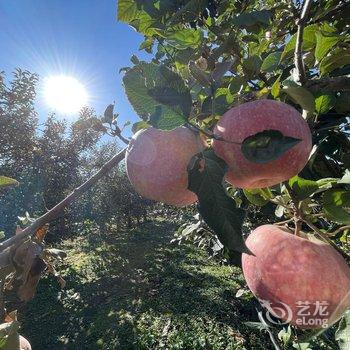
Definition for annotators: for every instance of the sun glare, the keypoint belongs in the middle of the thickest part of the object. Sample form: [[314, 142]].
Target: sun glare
[[65, 94]]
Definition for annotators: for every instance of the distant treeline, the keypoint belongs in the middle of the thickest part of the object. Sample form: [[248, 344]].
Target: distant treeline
[[50, 159]]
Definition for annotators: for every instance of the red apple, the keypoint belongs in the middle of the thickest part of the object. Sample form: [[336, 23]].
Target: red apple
[[304, 282], [24, 343], [253, 117], [156, 163]]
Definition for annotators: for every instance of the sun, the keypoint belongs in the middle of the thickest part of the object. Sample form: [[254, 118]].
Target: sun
[[65, 94]]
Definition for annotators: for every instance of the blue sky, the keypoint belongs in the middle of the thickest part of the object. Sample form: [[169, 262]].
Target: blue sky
[[81, 38]]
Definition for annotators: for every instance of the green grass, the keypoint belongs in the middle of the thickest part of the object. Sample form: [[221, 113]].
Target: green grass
[[135, 290]]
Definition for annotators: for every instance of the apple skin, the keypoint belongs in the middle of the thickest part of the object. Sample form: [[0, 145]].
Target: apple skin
[[24, 343], [156, 164], [287, 269], [250, 118]]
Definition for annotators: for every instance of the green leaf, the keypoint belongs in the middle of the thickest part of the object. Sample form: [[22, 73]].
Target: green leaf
[[139, 126], [267, 146], [276, 87], [249, 19], [324, 102], [236, 84], [127, 10], [302, 188], [215, 106], [301, 346], [147, 45], [134, 59], [189, 12], [161, 121], [326, 183], [158, 94], [7, 181], [184, 38], [251, 66], [300, 95], [205, 178], [271, 62], [342, 335], [285, 335], [336, 203], [342, 104], [140, 16], [258, 196], [108, 114], [338, 58], [309, 41], [169, 96], [324, 44]]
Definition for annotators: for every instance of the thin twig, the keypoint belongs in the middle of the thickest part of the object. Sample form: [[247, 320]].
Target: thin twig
[[298, 54], [340, 229], [58, 208], [272, 337], [296, 208], [280, 223]]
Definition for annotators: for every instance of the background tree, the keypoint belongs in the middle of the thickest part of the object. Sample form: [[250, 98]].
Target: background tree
[[53, 158]]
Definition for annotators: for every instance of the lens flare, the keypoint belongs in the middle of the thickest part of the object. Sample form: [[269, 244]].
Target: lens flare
[[65, 94]]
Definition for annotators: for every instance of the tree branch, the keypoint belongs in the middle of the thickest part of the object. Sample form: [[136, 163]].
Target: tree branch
[[58, 208], [298, 58], [124, 139], [341, 83]]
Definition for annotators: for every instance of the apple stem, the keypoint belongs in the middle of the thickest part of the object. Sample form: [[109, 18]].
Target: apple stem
[[208, 133]]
